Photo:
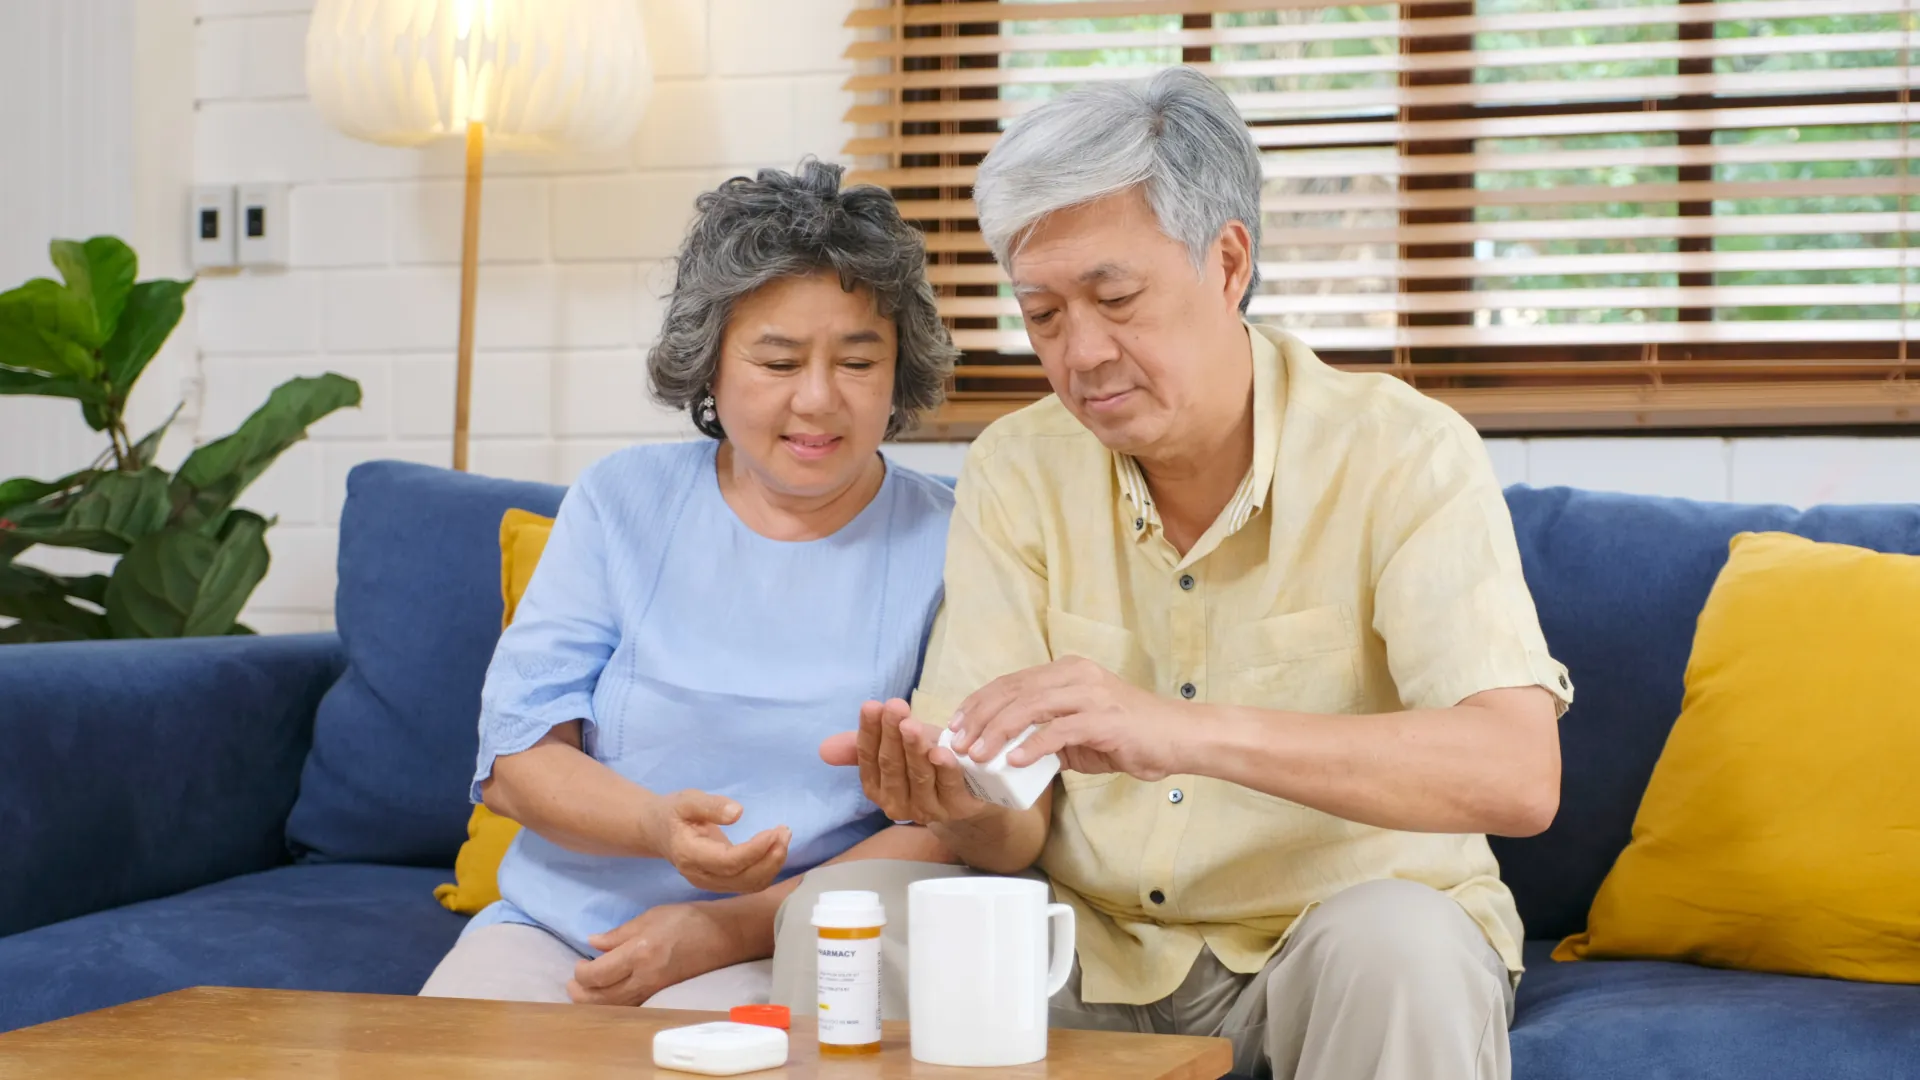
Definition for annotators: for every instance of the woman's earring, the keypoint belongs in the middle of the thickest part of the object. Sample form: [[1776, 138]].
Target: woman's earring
[[893, 410], [707, 415]]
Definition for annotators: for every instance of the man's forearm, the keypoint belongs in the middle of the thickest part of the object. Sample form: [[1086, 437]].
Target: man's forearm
[[749, 918], [1000, 841], [1465, 769]]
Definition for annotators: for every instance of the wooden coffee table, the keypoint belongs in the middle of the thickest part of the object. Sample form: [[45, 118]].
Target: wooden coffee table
[[210, 1032]]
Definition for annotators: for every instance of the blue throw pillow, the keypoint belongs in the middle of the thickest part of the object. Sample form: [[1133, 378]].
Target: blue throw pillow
[[419, 612]]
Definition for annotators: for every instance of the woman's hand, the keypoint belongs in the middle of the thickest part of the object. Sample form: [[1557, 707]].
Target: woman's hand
[[662, 946], [684, 828], [1095, 720], [903, 768]]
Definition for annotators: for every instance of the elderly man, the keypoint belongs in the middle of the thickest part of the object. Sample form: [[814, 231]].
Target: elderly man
[[1270, 615]]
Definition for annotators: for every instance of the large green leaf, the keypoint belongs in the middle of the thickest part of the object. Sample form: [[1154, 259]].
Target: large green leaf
[[149, 443], [92, 588], [32, 382], [34, 596], [25, 489], [99, 274], [153, 309], [28, 631], [213, 476], [44, 327], [181, 583], [111, 513]]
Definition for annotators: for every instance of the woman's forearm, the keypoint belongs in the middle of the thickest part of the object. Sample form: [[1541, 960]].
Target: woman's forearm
[[750, 917], [566, 796]]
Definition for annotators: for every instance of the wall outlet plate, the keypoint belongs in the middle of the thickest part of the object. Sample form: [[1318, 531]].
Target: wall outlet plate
[[262, 225], [210, 231]]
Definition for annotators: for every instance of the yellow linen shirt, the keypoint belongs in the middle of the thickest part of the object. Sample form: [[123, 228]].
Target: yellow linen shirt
[[1367, 565]]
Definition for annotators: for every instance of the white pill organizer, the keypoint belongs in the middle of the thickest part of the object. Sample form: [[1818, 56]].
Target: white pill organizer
[[722, 1048], [998, 783]]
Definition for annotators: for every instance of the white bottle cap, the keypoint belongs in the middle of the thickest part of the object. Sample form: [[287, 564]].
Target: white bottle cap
[[854, 910]]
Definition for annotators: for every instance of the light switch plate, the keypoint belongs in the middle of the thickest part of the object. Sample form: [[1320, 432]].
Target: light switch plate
[[262, 226], [210, 231]]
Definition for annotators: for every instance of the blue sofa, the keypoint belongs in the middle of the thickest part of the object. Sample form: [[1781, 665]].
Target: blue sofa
[[276, 811]]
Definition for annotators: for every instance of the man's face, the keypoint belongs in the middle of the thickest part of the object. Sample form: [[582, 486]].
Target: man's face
[[1133, 340]]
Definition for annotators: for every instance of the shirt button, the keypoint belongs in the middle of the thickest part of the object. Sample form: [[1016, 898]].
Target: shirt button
[[1563, 682], [1186, 582], [1139, 523], [1175, 796], [1187, 691], [1157, 896]]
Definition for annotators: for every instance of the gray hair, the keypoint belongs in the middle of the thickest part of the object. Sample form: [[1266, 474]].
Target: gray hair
[[749, 233], [1178, 134]]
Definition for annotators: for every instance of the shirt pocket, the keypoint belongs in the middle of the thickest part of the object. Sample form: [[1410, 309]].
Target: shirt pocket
[[1112, 647], [1304, 661]]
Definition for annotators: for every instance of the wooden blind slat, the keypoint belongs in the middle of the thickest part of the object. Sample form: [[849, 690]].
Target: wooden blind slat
[[1715, 48], [1601, 228], [1314, 103], [1650, 262], [1390, 303], [1346, 164], [1308, 32], [1621, 333], [955, 13], [1378, 132], [1456, 198]]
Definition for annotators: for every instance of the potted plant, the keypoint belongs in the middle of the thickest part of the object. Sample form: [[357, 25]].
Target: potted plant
[[189, 557]]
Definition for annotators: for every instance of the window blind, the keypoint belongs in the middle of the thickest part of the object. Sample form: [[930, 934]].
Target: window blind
[[1548, 213]]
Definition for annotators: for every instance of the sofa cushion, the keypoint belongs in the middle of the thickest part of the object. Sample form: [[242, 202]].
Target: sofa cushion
[[136, 769], [1619, 581], [1652, 1020], [419, 612], [347, 927]]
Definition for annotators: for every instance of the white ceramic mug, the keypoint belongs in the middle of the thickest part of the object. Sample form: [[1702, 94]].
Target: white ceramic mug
[[979, 972]]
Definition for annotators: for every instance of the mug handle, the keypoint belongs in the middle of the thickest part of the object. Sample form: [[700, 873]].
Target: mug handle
[[1060, 918]]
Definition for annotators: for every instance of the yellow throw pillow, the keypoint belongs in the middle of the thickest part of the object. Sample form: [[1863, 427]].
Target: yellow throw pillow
[[1781, 829], [523, 537]]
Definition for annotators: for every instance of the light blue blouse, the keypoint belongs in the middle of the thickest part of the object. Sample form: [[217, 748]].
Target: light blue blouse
[[704, 655]]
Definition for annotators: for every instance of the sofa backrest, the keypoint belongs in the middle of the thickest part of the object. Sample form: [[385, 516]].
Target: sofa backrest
[[1619, 581], [418, 608]]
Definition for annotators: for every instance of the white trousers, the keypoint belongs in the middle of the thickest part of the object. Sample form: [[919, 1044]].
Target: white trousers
[[512, 962]]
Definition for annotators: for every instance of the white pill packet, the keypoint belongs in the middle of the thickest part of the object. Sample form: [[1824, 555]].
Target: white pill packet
[[722, 1048], [1000, 784]]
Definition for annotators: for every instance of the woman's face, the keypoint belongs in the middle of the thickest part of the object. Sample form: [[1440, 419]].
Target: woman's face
[[805, 384]]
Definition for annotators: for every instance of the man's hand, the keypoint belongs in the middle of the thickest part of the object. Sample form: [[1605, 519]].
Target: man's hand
[[663, 946], [685, 829], [903, 768], [1096, 721]]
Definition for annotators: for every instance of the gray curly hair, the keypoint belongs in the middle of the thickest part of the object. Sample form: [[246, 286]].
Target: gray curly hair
[[749, 233]]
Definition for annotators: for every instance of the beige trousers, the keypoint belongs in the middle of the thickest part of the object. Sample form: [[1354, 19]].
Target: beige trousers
[[512, 962], [1388, 980]]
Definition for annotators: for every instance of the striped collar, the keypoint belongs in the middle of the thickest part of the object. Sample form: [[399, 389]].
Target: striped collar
[[1251, 495]]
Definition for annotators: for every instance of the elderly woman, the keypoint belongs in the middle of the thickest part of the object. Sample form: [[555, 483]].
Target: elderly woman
[[707, 612]]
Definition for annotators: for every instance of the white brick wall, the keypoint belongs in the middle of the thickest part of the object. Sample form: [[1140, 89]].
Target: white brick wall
[[573, 259], [573, 253]]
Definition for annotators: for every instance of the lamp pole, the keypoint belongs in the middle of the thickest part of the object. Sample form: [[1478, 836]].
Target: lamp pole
[[469, 273]]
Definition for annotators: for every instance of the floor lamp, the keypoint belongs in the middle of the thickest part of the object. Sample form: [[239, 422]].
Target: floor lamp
[[538, 75]]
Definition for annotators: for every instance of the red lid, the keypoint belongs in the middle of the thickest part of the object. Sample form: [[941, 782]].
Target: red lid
[[773, 1016]]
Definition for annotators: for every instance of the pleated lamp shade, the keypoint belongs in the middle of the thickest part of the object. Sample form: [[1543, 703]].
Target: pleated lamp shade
[[539, 74]]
